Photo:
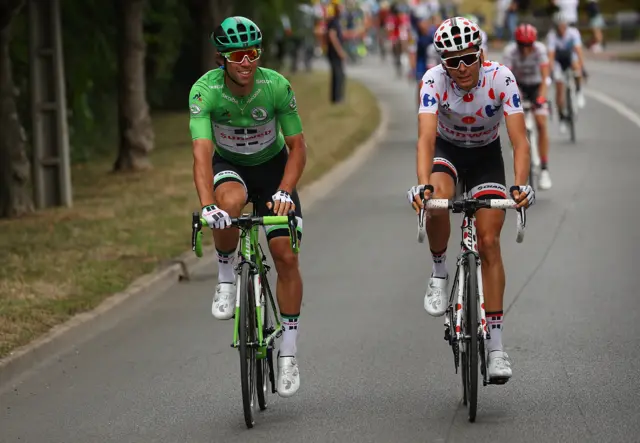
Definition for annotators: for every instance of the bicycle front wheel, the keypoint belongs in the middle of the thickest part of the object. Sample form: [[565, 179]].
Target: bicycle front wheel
[[263, 367], [571, 114], [247, 338], [471, 334]]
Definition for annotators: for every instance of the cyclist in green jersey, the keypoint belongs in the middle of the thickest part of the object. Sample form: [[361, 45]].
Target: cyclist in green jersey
[[243, 118]]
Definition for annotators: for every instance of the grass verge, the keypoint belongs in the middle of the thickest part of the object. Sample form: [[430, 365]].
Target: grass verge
[[60, 262], [629, 56]]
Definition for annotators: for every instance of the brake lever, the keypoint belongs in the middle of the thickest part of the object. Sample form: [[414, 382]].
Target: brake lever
[[196, 226], [293, 230]]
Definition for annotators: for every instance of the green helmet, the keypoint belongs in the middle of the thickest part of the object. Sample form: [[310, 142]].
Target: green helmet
[[236, 33]]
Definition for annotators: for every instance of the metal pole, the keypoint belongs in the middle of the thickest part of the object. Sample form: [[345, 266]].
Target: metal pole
[[35, 81], [64, 169]]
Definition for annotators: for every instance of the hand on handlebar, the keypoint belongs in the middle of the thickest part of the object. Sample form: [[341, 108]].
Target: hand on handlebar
[[216, 218], [523, 195], [417, 193], [283, 203]]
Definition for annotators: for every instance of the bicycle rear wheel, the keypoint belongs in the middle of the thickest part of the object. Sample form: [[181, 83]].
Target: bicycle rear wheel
[[247, 338], [471, 334]]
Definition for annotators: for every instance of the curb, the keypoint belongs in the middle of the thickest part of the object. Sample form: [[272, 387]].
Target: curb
[[174, 270]]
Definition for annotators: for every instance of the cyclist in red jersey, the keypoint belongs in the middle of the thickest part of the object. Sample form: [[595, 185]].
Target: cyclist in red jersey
[[398, 28]]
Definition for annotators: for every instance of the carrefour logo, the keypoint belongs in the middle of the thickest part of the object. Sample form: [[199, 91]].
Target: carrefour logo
[[516, 100], [428, 101]]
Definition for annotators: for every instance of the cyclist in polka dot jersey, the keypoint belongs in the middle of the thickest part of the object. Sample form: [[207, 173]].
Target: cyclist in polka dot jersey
[[470, 119], [462, 102]]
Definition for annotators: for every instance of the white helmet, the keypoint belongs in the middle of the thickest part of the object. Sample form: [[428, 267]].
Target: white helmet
[[561, 18], [457, 34]]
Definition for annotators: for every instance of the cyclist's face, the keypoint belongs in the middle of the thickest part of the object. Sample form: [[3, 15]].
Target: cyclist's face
[[466, 77], [562, 27], [525, 50], [242, 72]]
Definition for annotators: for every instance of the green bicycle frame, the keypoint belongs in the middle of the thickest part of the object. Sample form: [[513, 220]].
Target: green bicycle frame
[[250, 252]]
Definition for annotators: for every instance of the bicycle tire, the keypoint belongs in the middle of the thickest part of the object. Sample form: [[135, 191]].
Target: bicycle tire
[[571, 114], [247, 334], [262, 367], [471, 329], [532, 168]]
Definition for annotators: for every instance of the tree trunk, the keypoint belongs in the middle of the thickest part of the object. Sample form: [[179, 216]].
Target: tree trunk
[[213, 12], [136, 130], [15, 193]]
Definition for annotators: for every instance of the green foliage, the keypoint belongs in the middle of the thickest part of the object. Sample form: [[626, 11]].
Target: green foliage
[[173, 33]]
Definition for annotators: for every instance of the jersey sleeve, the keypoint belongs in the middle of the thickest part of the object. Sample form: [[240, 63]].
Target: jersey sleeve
[[551, 41], [577, 39], [287, 108], [429, 95], [507, 57], [507, 88], [200, 106], [543, 55]]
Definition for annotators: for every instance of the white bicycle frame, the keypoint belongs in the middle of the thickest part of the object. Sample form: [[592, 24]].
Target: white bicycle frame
[[532, 133], [469, 244]]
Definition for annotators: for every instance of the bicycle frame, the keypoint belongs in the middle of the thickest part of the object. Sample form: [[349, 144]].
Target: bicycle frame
[[468, 245], [251, 252]]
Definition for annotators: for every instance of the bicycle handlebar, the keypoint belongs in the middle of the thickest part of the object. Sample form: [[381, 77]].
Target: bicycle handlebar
[[246, 222], [471, 205]]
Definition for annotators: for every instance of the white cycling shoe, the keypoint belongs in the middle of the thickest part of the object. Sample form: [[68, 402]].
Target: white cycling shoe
[[288, 376], [224, 301], [544, 180], [435, 300], [499, 366]]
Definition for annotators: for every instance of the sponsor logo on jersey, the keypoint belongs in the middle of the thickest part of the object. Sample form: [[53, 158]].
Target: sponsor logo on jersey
[[260, 82], [198, 97], [259, 113], [229, 98], [428, 100]]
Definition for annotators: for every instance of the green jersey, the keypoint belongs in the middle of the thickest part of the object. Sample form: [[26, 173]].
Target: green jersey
[[246, 131]]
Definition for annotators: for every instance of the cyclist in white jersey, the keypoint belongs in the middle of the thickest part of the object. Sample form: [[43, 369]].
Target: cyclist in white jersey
[[565, 51], [462, 103], [528, 60]]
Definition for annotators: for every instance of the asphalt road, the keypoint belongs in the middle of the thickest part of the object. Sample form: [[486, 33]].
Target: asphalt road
[[374, 365]]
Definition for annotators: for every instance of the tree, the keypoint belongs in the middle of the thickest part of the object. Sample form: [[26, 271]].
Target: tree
[[135, 127], [15, 192]]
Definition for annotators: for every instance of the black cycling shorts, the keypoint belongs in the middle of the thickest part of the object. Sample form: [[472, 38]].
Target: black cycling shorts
[[481, 169], [260, 182]]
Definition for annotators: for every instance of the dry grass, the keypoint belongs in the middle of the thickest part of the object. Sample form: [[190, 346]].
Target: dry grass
[[57, 263]]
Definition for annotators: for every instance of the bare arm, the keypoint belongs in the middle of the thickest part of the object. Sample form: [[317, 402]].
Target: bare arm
[[295, 163], [203, 170], [426, 147], [544, 72], [521, 154]]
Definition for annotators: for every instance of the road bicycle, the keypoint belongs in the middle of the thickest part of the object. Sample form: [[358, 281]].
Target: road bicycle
[[257, 320], [532, 136], [466, 329], [571, 110]]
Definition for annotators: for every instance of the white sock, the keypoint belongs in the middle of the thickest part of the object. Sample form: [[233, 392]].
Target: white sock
[[494, 326], [439, 264], [226, 274], [288, 347]]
